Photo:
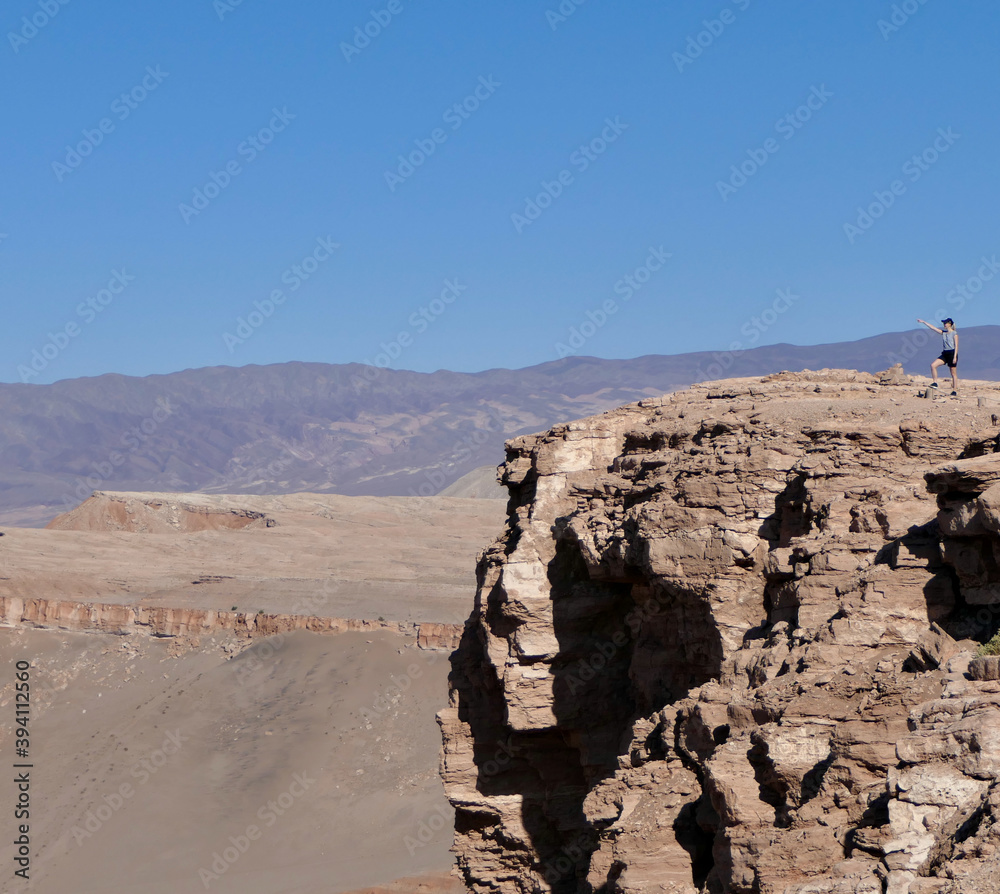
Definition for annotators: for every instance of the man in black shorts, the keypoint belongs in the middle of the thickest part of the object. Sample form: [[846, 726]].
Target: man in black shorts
[[949, 353]]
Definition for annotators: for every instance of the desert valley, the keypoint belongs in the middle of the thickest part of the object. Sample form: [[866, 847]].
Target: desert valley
[[196, 658], [723, 640], [500, 448]]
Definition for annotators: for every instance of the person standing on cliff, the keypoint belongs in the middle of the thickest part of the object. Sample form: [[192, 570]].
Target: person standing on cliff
[[949, 352]]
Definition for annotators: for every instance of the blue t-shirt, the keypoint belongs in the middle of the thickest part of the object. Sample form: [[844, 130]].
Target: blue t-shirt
[[949, 339]]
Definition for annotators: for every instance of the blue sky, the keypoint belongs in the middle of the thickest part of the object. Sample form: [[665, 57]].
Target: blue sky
[[601, 145]]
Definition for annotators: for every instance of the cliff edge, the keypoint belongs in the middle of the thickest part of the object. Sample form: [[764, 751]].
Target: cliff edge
[[726, 645]]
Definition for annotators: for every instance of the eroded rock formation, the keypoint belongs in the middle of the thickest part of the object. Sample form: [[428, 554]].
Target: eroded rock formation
[[122, 620], [724, 646], [159, 514]]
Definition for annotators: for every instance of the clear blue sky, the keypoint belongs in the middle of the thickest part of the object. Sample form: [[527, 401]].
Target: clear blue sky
[[215, 72]]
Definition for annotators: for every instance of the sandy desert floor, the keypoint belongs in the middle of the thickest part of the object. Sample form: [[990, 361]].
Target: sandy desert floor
[[436, 883], [152, 763], [401, 558], [295, 764]]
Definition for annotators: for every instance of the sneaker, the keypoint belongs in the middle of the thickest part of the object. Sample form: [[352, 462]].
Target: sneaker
[[934, 385], [954, 394]]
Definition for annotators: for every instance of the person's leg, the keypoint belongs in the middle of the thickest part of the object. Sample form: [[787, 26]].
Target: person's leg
[[954, 378], [934, 368]]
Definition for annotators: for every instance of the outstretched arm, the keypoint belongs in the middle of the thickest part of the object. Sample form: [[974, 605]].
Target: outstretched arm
[[929, 326]]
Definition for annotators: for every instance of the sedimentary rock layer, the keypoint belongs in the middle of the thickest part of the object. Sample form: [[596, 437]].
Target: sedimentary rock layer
[[724, 647], [157, 621]]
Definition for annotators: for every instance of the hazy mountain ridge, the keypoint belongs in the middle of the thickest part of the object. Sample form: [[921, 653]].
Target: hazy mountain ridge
[[335, 428]]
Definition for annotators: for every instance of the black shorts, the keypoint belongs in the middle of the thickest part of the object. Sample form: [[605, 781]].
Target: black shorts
[[949, 358]]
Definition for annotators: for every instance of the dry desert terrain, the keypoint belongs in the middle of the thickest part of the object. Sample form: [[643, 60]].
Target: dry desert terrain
[[223, 760]]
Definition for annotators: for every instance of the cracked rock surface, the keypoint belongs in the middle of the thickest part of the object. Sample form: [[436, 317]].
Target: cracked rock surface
[[726, 646]]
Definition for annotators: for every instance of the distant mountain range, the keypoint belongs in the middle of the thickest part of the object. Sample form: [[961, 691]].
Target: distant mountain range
[[352, 429]]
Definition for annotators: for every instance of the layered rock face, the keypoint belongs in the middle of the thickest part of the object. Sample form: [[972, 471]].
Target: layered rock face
[[123, 620], [724, 646]]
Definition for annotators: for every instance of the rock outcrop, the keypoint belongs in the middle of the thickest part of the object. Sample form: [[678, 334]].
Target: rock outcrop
[[158, 514], [724, 647], [123, 620]]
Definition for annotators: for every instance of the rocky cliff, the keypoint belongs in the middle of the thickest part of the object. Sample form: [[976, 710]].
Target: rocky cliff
[[123, 620], [725, 646]]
